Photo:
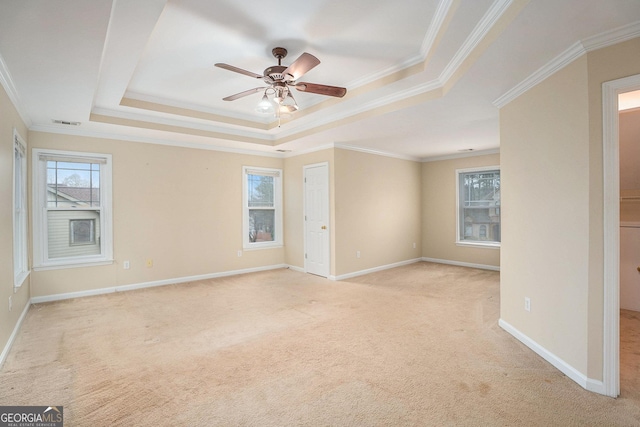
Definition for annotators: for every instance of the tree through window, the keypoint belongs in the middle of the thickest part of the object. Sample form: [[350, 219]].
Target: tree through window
[[262, 212], [479, 206]]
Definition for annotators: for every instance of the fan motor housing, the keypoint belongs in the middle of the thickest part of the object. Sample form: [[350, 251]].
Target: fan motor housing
[[274, 73]]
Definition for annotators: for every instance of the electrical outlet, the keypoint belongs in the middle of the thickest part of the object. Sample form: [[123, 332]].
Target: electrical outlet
[[414, 245], [10, 302], [357, 254], [239, 253], [149, 263], [126, 265], [527, 303]]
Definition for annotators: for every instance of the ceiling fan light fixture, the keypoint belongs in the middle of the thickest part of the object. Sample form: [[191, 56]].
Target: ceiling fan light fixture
[[281, 93], [265, 106], [288, 104], [287, 109]]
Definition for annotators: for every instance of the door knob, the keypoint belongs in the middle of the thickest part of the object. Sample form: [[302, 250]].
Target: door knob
[[324, 227]]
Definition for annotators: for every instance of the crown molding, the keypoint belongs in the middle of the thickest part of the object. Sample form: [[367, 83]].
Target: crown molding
[[461, 155], [574, 52], [194, 107], [611, 37], [439, 18], [354, 148], [376, 152], [166, 121], [150, 140], [363, 108], [310, 150], [10, 88], [542, 73], [428, 43], [483, 27]]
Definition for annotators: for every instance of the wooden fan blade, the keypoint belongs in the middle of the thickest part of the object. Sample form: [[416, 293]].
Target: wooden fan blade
[[300, 66], [336, 91], [238, 70], [242, 94]]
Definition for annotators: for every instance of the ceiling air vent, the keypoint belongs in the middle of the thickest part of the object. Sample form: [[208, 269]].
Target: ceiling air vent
[[66, 122]]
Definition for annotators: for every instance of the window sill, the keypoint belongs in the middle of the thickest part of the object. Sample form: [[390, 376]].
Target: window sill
[[488, 245], [258, 248], [60, 266], [19, 281]]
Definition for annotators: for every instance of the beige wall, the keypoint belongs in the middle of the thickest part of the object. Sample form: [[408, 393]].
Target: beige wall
[[545, 213], [379, 205], [180, 207], [9, 120], [630, 150], [186, 215], [439, 212], [377, 211], [552, 217], [630, 165], [611, 63]]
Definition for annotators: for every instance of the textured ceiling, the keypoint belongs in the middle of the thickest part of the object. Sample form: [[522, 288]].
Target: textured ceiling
[[424, 78]]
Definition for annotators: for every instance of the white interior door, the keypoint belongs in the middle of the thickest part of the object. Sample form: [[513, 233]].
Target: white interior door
[[316, 219]]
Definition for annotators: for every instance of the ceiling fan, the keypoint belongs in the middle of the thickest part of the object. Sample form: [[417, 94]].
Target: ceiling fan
[[280, 79]]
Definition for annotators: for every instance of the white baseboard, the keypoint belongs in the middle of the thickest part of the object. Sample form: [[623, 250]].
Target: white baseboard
[[122, 288], [298, 269], [70, 295], [375, 269], [14, 334], [595, 386], [462, 264]]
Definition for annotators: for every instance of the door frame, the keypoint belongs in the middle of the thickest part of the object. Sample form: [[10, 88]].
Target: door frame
[[304, 213], [611, 208]]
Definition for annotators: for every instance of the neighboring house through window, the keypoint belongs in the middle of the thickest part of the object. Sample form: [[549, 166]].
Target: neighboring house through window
[[20, 245], [478, 206], [72, 219], [262, 207]]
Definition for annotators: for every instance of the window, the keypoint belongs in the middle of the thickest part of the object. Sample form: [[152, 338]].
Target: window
[[72, 219], [20, 246], [262, 207], [478, 206]]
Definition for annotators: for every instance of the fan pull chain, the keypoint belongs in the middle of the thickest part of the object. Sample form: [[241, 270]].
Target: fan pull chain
[[278, 114]]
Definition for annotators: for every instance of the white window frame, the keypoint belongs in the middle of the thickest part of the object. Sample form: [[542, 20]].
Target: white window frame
[[472, 243], [277, 196], [20, 212], [41, 260]]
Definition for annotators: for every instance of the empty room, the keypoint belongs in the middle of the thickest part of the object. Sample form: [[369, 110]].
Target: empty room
[[414, 212]]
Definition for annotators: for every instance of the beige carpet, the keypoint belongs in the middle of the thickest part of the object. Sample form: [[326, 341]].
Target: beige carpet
[[417, 345]]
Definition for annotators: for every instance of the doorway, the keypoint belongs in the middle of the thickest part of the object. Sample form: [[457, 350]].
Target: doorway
[[316, 219], [611, 195]]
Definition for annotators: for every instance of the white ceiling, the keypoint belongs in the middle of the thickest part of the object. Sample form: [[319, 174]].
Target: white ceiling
[[425, 78]]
